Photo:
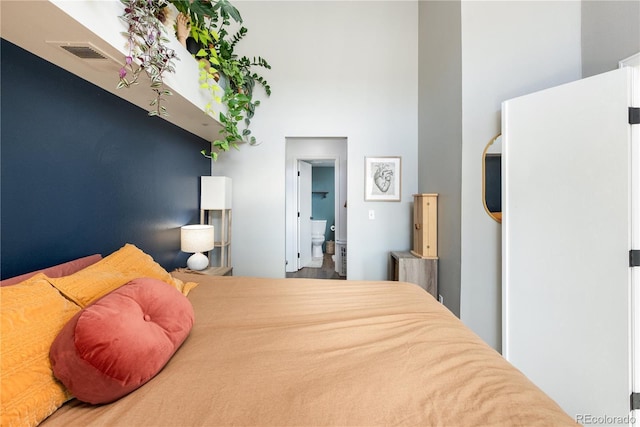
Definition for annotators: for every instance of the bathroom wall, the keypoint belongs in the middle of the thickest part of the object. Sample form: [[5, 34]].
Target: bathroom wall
[[323, 206]]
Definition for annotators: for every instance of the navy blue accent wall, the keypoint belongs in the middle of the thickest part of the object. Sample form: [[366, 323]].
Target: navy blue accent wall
[[85, 172]]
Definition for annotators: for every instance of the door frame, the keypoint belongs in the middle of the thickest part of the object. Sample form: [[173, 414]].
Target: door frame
[[303, 229], [292, 240], [310, 149]]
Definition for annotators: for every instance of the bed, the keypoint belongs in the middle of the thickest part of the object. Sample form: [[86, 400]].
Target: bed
[[306, 352]]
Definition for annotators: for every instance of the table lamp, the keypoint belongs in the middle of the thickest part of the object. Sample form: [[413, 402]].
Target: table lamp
[[197, 239]]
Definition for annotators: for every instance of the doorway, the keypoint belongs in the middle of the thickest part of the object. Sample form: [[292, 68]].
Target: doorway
[[316, 188]]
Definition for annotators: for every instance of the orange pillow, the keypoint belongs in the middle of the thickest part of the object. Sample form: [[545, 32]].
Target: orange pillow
[[113, 271], [33, 313], [121, 341]]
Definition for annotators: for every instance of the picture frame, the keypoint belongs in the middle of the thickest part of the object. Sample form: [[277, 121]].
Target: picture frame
[[382, 179]]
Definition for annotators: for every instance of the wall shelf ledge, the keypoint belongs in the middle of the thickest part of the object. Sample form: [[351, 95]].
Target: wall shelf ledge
[[42, 27]]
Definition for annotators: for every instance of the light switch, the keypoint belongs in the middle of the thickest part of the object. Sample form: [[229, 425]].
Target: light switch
[[372, 214]]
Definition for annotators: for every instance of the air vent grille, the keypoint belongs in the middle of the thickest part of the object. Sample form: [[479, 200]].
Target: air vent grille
[[84, 52]]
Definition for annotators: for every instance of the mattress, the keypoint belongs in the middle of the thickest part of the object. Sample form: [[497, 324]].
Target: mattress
[[305, 352]]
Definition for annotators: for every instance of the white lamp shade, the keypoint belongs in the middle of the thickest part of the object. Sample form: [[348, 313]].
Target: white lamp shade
[[215, 192], [197, 238]]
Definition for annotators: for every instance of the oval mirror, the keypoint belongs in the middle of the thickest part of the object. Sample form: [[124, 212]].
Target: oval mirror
[[492, 178]]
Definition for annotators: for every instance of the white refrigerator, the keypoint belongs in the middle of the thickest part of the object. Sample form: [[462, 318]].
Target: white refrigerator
[[571, 234]]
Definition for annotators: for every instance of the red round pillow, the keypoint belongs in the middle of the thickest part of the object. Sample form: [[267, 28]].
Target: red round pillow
[[121, 341]]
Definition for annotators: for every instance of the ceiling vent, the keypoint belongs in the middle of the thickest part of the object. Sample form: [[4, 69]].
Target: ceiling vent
[[84, 50]]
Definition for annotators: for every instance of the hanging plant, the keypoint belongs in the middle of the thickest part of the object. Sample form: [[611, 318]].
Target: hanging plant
[[148, 52], [209, 30], [209, 23]]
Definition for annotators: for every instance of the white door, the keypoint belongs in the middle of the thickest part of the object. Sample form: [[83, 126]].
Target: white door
[[634, 62], [566, 240], [304, 213]]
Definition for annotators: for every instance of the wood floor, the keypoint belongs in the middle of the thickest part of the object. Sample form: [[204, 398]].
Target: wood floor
[[327, 271]]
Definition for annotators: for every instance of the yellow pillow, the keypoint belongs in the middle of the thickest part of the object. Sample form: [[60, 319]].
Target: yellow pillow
[[33, 313], [113, 271]]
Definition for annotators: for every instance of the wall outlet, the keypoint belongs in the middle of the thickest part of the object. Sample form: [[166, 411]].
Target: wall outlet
[[441, 299]]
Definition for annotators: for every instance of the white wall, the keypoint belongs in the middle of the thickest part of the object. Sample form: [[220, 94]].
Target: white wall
[[508, 49], [340, 69]]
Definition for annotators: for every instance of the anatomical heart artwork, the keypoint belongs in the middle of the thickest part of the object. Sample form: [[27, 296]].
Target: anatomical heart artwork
[[382, 178]]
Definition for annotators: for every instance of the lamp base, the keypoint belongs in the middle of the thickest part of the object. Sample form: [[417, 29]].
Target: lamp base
[[198, 261]]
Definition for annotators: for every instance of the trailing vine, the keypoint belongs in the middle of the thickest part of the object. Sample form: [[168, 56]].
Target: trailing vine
[[210, 23], [219, 65], [148, 52]]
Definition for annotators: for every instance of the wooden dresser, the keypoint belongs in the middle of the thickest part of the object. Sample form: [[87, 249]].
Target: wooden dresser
[[406, 267]]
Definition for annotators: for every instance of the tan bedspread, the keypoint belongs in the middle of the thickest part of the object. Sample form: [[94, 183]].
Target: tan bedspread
[[302, 352]]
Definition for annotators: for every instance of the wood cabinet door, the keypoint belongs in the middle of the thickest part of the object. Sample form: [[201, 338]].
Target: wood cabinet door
[[418, 235], [425, 225]]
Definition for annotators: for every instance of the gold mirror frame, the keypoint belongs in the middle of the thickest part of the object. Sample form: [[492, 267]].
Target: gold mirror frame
[[495, 215]]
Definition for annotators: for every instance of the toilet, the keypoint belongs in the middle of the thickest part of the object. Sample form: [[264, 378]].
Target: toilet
[[318, 227]]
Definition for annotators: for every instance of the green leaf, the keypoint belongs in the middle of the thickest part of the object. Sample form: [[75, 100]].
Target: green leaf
[[228, 9]]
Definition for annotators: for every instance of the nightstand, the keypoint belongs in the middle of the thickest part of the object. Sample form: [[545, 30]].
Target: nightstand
[[406, 267], [211, 271]]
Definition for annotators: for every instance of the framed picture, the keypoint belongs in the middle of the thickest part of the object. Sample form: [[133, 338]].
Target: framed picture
[[382, 179]]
